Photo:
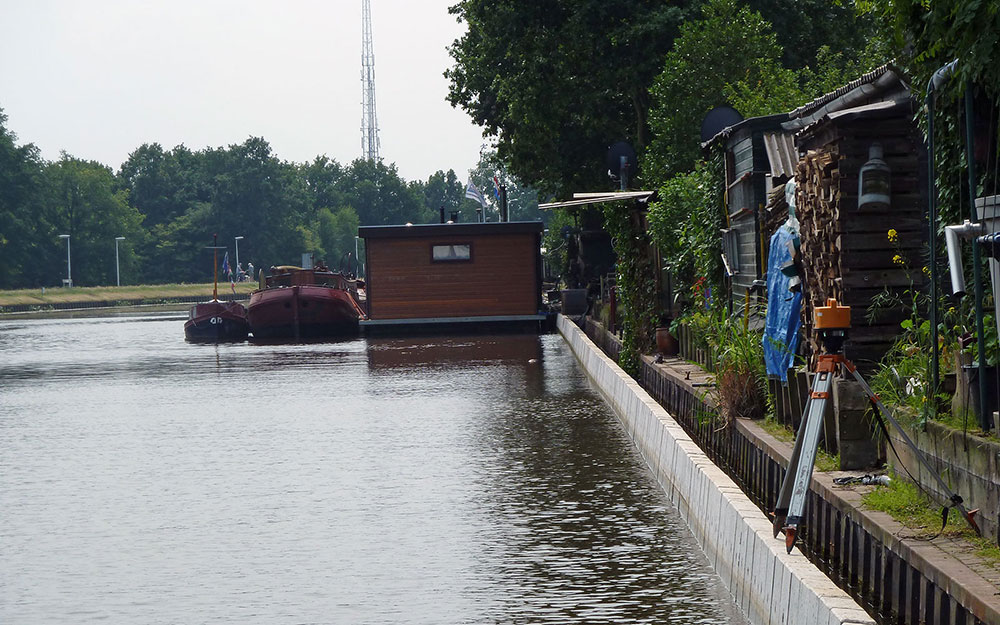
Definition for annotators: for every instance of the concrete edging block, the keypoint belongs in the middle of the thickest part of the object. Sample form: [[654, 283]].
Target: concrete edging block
[[770, 586]]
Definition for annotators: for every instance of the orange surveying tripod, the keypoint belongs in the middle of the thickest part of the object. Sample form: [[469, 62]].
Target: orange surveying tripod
[[832, 323]]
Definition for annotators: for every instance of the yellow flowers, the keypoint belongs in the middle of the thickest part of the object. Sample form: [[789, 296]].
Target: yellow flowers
[[893, 236], [899, 260], [927, 271]]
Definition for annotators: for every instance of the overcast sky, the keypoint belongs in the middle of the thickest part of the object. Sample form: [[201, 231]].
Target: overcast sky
[[98, 78]]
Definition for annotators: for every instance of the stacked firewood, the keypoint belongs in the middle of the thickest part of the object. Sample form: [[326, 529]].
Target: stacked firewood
[[817, 200], [870, 257], [775, 213]]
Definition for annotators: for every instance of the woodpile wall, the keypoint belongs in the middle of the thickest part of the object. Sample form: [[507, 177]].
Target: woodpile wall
[[846, 251]]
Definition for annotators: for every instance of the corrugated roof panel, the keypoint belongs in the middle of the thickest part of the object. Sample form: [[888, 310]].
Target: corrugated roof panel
[[781, 153]]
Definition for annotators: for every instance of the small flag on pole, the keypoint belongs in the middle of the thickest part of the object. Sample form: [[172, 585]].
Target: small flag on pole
[[473, 193], [496, 188]]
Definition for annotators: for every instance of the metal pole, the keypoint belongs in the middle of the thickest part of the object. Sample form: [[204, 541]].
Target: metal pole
[[118, 275], [215, 267], [238, 252], [932, 261], [932, 85], [985, 418], [69, 271]]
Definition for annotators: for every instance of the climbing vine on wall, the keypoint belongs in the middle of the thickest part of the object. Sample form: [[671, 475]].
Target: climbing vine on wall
[[684, 224], [636, 283]]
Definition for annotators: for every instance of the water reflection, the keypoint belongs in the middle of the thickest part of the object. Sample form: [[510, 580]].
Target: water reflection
[[432, 480]]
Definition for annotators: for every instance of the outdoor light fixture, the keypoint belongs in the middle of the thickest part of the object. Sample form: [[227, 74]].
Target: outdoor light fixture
[[238, 251], [874, 180], [118, 274], [69, 269]]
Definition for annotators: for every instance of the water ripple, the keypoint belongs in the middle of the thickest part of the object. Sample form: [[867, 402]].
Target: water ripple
[[459, 480]]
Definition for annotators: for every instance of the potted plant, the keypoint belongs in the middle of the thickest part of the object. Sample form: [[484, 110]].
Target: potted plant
[[666, 336]]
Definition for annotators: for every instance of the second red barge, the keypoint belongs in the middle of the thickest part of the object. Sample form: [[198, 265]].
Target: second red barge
[[296, 303]]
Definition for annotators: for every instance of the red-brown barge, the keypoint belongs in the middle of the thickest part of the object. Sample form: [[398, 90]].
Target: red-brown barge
[[216, 322], [296, 303]]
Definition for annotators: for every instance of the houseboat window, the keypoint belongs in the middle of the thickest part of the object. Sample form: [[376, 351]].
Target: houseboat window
[[449, 253]]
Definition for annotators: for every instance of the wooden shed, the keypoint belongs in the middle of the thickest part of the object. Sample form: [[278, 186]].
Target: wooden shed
[[748, 183], [453, 273], [847, 252]]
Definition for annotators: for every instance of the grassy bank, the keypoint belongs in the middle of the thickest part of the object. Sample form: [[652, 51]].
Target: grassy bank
[[50, 296]]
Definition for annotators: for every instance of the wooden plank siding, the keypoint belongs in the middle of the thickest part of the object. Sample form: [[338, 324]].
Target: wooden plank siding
[[846, 251], [501, 278]]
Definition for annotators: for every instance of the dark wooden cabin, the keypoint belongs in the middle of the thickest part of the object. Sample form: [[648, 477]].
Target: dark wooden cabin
[[846, 250], [748, 183], [453, 273]]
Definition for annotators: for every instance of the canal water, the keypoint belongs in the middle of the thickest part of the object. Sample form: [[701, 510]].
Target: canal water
[[403, 481]]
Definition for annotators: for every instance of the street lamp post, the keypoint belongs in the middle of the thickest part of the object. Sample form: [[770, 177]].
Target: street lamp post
[[69, 267], [238, 251], [118, 275]]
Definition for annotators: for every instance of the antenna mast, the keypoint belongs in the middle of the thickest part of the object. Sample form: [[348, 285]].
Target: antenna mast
[[369, 122]]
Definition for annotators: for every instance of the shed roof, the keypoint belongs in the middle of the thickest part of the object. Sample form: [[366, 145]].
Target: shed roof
[[765, 122], [887, 82], [585, 199], [464, 229]]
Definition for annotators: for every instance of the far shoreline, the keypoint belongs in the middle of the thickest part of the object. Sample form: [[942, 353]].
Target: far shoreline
[[59, 301]]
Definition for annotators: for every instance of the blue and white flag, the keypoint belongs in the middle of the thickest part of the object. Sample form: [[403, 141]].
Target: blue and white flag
[[473, 193]]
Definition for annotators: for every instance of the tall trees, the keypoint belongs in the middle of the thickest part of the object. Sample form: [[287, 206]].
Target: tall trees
[[559, 81], [380, 197], [443, 190], [22, 212], [84, 204], [168, 204], [686, 89]]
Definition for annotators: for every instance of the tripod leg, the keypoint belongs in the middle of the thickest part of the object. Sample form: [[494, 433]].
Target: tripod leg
[[811, 427], [953, 498], [780, 511]]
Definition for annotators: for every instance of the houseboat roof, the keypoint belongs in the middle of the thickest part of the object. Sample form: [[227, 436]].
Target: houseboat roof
[[464, 229]]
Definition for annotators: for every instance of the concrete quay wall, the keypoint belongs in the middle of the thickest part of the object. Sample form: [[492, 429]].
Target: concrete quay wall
[[770, 586]]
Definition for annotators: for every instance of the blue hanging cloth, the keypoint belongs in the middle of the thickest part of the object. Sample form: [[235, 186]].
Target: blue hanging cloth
[[781, 329]]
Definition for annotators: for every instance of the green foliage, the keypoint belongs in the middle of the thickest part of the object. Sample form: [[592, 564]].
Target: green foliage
[[684, 224], [635, 282], [906, 503], [557, 82], [556, 244], [522, 199], [804, 27], [23, 212], [695, 74], [740, 374], [168, 205], [757, 77], [926, 35], [85, 205], [336, 231]]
